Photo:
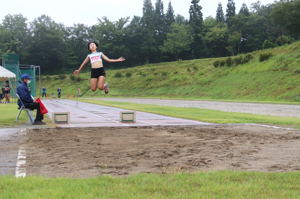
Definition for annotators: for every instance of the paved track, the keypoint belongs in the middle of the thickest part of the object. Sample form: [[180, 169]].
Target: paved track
[[92, 115], [254, 108], [9, 147]]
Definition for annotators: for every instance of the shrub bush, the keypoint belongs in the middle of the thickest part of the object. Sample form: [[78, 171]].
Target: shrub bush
[[233, 61], [118, 75], [222, 63], [238, 60], [78, 79], [264, 56], [229, 61], [268, 44], [47, 77], [62, 76], [216, 64], [72, 77], [128, 74], [164, 74], [282, 40], [247, 58]]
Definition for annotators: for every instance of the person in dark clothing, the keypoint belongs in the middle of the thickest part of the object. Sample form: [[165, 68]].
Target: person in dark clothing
[[44, 92], [27, 100], [59, 92], [7, 92], [1, 94]]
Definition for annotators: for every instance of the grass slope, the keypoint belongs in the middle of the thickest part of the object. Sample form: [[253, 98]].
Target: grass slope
[[222, 184], [276, 79]]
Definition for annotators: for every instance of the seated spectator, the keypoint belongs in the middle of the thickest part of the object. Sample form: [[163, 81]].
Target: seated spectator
[[27, 100]]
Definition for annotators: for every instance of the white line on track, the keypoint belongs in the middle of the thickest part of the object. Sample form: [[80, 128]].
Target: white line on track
[[274, 127], [21, 161]]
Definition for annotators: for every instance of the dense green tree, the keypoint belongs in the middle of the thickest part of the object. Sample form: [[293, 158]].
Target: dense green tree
[[7, 44], [17, 34], [78, 37], [196, 24], [196, 16], [230, 12], [48, 48], [178, 41], [111, 36], [255, 28], [287, 14], [160, 28], [179, 19], [148, 15], [244, 10], [234, 39], [215, 38], [170, 17], [147, 22], [257, 8], [134, 42], [159, 18], [220, 14]]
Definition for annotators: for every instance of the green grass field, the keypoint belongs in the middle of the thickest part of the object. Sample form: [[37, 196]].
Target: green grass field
[[276, 79], [222, 184], [203, 115], [8, 115]]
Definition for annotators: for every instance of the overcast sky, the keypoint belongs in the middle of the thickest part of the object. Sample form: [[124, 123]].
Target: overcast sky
[[71, 12]]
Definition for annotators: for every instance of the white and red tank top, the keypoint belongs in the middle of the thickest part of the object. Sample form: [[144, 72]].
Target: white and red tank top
[[95, 59]]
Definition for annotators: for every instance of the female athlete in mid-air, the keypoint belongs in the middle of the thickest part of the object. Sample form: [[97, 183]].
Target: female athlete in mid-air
[[97, 72]]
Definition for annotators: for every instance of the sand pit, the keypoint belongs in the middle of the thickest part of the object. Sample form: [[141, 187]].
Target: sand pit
[[90, 152]]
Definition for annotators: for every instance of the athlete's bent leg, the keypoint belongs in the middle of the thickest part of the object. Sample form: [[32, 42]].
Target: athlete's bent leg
[[101, 81], [94, 84]]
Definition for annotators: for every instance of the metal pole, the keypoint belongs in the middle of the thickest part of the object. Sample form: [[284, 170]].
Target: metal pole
[[40, 80]]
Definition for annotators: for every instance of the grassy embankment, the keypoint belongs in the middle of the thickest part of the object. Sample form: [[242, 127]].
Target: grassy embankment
[[276, 79]]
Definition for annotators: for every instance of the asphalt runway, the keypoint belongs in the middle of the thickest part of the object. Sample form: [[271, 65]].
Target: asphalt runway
[[92, 115], [9, 146], [283, 110]]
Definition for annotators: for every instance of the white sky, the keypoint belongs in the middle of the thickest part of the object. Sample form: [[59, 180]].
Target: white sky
[[70, 12]]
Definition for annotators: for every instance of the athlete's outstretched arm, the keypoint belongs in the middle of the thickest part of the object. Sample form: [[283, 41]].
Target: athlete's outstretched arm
[[76, 72], [121, 59]]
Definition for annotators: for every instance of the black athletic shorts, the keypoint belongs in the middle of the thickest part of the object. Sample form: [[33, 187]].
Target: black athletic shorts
[[97, 72]]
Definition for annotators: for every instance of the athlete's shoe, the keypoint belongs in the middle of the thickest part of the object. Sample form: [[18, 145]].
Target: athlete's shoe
[[39, 123], [106, 88]]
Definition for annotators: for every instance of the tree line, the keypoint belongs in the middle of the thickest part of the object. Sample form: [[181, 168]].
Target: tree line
[[156, 36]]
